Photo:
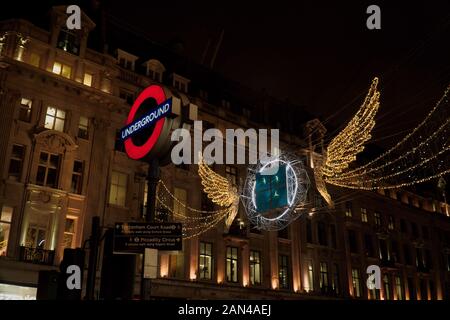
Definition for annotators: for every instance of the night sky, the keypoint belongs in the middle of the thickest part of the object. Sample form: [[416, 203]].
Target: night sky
[[316, 54]]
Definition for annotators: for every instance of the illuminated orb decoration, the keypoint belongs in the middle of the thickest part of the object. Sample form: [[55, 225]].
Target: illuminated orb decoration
[[271, 201]]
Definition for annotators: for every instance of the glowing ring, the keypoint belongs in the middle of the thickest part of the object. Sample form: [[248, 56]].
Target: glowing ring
[[297, 189], [138, 152]]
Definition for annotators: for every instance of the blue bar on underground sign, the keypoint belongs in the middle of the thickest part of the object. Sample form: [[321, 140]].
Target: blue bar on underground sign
[[147, 120]]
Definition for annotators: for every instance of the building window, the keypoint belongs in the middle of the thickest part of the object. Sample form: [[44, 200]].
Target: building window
[[322, 234], [356, 283], [176, 265], [309, 237], [232, 264], [118, 143], [76, 185], [411, 289], [118, 188], [384, 252], [283, 271], [399, 288], [54, 119], [425, 233], [255, 267], [48, 170], [335, 279], [69, 233], [231, 174], [205, 261], [364, 215], [62, 69], [25, 110], [16, 162], [68, 42], [127, 96], [377, 217], [368, 243], [407, 254], [403, 226], [428, 259], [323, 276], [352, 241], [348, 209], [333, 236], [310, 285], [87, 80], [35, 59], [83, 126], [391, 223], [5, 227], [414, 230], [387, 287]]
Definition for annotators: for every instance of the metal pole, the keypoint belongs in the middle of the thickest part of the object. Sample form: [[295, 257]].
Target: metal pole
[[152, 183], [93, 256]]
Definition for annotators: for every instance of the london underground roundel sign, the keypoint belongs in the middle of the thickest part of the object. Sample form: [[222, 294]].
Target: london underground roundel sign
[[156, 117]]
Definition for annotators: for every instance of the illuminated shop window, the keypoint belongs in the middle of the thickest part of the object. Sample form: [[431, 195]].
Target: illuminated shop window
[[16, 162], [283, 271], [25, 110], [232, 264], [255, 267], [69, 233], [5, 227], [118, 188], [54, 119], [83, 128], [310, 285], [356, 283], [48, 170], [76, 185], [62, 69], [87, 80], [205, 261], [387, 287]]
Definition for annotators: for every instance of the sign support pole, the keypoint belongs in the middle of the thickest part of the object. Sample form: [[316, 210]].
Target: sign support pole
[[153, 176]]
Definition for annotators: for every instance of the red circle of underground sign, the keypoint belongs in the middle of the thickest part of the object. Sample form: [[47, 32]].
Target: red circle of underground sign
[[138, 152]]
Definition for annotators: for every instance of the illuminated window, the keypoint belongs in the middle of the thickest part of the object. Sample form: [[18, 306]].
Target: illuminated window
[[83, 126], [255, 267], [77, 177], [25, 110], [62, 69], [87, 80], [310, 284], [5, 227], [335, 279], [377, 217], [283, 271], [232, 264], [16, 162], [387, 288], [399, 288], [118, 188], [205, 261], [323, 276], [356, 283], [176, 265], [54, 119], [48, 170], [69, 233], [348, 210], [391, 223], [35, 59], [363, 214]]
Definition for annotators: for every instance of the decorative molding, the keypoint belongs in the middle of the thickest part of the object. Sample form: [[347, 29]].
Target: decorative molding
[[55, 141]]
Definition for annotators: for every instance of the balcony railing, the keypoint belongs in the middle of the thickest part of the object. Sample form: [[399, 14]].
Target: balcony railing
[[37, 255]]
